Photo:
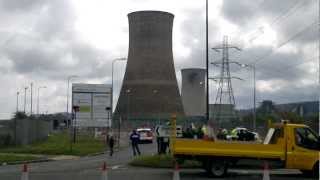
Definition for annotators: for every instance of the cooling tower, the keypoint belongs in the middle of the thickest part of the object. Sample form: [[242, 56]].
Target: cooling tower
[[193, 91], [149, 87]]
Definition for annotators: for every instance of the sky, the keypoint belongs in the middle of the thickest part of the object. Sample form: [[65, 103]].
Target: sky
[[45, 41]]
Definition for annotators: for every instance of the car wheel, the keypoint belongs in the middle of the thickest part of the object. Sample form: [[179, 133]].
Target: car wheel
[[217, 168]]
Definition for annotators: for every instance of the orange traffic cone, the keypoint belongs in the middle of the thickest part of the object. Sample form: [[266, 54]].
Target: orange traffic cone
[[25, 173], [176, 172], [266, 171], [104, 174]]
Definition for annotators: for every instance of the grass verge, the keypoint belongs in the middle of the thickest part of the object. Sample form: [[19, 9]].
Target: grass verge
[[59, 144], [162, 161], [12, 158]]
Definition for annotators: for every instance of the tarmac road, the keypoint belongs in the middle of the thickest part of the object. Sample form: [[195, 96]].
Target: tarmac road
[[88, 168]]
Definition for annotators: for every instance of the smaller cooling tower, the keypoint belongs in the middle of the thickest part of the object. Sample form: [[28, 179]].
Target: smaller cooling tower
[[193, 91]]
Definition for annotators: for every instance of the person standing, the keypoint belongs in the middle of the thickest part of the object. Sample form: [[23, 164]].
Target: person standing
[[135, 137], [111, 144]]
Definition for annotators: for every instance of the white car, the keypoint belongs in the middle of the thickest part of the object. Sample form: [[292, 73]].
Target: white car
[[245, 130], [146, 135]]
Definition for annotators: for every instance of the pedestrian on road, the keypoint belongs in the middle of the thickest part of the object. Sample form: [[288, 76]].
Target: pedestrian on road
[[111, 144], [135, 137]]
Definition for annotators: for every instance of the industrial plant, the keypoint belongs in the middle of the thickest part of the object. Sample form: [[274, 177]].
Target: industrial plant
[[149, 89]]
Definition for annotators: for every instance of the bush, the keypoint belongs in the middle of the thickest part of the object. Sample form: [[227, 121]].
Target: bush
[[5, 140]]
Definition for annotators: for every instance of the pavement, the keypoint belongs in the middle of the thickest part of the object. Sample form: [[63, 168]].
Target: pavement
[[89, 168]]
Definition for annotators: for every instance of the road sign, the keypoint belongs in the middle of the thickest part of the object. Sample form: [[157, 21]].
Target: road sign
[[94, 104]]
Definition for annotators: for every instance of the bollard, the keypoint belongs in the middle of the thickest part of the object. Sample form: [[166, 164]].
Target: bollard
[[25, 173], [266, 171], [176, 172], [104, 173]]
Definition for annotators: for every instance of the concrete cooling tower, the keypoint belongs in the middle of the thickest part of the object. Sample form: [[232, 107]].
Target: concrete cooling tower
[[193, 91], [149, 88]]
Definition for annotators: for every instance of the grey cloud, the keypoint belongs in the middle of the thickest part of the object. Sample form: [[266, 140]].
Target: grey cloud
[[20, 5], [240, 12], [56, 21]]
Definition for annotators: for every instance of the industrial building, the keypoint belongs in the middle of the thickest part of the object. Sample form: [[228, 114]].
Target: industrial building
[[193, 91], [149, 89]]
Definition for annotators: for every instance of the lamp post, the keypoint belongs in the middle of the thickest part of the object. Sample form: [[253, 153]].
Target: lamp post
[[25, 99], [253, 67], [39, 97], [207, 64], [68, 82], [128, 91], [115, 60], [31, 89], [17, 109], [119, 121], [155, 92]]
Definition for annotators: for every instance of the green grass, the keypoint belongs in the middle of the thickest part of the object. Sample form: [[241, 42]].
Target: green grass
[[59, 144], [162, 161], [11, 158]]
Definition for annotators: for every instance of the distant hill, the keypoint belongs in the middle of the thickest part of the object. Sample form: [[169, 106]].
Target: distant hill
[[304, 108], [301, 108]]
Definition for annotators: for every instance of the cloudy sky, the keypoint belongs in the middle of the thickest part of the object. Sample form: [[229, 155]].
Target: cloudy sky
[[45, 41]]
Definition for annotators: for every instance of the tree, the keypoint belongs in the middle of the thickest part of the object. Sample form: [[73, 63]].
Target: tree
[[20, 115], [291, 116]]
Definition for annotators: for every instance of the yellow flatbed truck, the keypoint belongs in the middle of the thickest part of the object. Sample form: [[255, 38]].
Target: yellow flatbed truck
[[293, 146]]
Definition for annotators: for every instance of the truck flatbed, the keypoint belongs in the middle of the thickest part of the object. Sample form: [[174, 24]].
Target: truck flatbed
[[229, 149]]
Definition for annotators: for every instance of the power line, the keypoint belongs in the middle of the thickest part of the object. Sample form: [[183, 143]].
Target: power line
[[256, 60], [296, 6], [287, 68], [291, 10]]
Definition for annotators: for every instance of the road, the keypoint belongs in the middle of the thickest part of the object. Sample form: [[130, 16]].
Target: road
[[88, 168]]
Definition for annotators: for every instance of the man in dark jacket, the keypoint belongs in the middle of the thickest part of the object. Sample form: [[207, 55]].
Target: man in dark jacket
[[111, 143], [135, 137]]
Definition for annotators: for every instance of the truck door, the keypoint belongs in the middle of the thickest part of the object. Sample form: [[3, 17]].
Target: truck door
[[305, 149]]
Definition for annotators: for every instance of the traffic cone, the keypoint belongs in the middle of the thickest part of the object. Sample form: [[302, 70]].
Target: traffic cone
[[104, 174], [25, 173], [176, 172], [266, 171]]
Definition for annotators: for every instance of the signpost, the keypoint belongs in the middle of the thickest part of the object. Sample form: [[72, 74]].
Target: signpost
[[94, 102]]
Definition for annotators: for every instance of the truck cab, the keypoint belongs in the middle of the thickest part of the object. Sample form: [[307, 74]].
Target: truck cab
[[302, 148]]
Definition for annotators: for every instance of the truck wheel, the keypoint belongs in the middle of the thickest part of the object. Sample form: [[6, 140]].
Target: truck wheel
[[315, 170], [312, 173], [217, 168]]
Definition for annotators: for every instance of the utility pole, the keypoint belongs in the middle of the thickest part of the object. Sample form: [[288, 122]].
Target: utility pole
[[25, 99], [319, 60], [207, 64], [225, 95], [31, 99]]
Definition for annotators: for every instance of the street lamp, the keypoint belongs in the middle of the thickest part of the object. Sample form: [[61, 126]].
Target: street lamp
[[38, 98], [155, 92], [17, 109], [31, 103], [25, 99], [69, 78], [119, 122], [253, 67], [128, 91], [115, 60]]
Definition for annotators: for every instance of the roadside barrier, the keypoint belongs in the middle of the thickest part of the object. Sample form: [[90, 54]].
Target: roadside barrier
[[266, 171], [25, 173], [104, 173], [176, 172]]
